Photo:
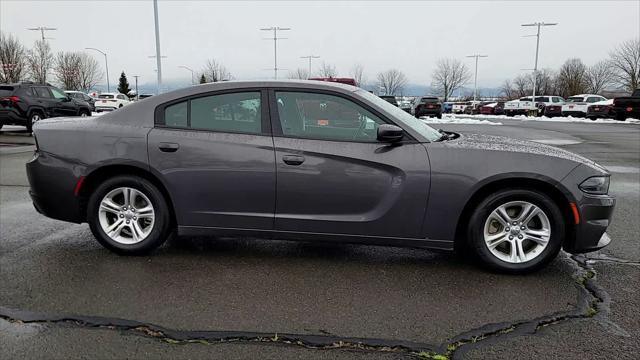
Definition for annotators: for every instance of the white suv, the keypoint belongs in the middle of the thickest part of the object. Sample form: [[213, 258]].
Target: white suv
[[577, 105], [111, 101]]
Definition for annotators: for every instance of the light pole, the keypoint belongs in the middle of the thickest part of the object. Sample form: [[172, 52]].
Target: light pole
[[158, 57], [310, 57], [106, 64], [187, 68], [275, 39], [137, 95], [535, 67], [475, 81]]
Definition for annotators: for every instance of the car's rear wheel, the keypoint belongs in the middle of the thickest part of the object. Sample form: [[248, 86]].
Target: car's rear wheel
[[516, 231], [84, 113], [33, 118], [129, 215]]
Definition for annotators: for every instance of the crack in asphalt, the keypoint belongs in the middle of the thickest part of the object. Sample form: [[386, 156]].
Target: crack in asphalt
[[592, 302]]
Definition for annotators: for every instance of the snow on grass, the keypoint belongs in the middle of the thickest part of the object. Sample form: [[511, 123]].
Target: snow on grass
[[454, 119], [565, 119]]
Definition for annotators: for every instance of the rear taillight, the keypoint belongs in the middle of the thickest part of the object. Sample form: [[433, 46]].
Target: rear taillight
[[11, 99]]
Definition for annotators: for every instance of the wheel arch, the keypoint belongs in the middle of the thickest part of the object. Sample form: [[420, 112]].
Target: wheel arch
[[560, 196], [93, 179]]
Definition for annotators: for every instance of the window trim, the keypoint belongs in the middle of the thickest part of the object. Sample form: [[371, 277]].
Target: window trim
[[265, 127], [276, 126]]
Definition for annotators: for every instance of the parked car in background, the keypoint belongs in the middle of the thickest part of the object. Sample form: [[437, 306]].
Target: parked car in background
[[460, 107], [405, 103], [474, 108], [111, 101], [179, 162], [427, 106], [447, 107], [26, 103], [144, 96], [78, 95], [601, 110], [524, 105], [577, 105], [390, 99], [628, 106], [494, 108]]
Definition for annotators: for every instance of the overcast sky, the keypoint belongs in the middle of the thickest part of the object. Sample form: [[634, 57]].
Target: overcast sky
[[409, 36]]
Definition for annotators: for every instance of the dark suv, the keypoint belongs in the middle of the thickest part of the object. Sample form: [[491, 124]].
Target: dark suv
[[25, 103], [427, 106]]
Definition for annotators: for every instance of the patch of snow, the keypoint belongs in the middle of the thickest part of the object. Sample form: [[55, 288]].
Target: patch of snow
[[452, 119], [544, 118], [557, 142]]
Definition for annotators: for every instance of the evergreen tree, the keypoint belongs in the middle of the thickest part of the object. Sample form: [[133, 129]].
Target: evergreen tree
[[123, 84], [203, 80]]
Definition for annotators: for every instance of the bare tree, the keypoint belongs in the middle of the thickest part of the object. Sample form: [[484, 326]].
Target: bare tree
[[299, 73], [599, 76], [507, 90], [546, 82], [392, 81], [357, 72], [327, 70], [12, 59], [214, 71], [625, 61], [66, 70], [572, 78], [40, 60], [89, 73], [450, 75], [522, 86]]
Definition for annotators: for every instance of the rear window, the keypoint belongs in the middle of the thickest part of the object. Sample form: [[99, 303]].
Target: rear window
[[429, 100], [575, 99], [103, 96], [6, 90]]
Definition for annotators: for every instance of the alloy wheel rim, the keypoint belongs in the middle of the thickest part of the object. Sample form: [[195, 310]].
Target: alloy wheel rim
[[517, 232], [35, 118], [126, 215]]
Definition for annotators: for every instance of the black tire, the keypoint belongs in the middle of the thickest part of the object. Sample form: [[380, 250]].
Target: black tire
[[162, 225], [621, 117], [34, 117], [120, 106], [475, 231], [440, 116]]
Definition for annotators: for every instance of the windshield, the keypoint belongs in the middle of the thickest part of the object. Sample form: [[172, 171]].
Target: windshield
[[403, 117], [575, 99]]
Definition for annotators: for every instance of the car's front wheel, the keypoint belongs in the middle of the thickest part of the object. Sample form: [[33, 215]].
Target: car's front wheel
[[516, 231], [129, 215]]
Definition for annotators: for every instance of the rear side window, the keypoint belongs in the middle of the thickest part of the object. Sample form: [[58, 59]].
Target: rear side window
[[42, 92], [176, 115], [6, 90], [237, 112]]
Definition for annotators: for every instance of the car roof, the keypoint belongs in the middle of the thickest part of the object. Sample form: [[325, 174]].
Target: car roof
[[584, 95]]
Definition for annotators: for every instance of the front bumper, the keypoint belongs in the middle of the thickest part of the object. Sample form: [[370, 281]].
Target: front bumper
[[595, 216]]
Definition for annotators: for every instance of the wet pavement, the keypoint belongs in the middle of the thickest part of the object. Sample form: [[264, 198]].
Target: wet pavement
[[64, 296]]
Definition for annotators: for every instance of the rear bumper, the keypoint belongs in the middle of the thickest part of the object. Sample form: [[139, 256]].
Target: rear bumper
[[52, 184], [12, 118], [595, 216], [574, 113]]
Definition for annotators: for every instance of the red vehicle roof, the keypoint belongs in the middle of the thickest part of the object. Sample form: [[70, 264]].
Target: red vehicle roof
[[348, 81]]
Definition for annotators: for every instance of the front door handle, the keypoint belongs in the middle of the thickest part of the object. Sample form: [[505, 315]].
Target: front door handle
[[293, 159], [168, 147]]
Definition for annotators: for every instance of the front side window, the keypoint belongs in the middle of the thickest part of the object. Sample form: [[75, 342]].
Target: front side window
[[326, 117], [58, 94], [237, 112]]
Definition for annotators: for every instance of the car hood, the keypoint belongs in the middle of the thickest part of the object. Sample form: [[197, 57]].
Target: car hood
[[506, 144]]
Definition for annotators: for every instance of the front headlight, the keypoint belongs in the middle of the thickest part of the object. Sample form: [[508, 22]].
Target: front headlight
[[598, 185]]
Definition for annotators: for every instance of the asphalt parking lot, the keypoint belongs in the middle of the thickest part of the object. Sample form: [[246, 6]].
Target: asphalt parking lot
[[64, 296]]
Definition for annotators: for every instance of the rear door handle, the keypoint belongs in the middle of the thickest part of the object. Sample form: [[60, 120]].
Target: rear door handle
[[168, 147], [293, 159]]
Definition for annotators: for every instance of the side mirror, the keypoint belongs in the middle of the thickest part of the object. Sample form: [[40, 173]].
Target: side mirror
[[390, 133]]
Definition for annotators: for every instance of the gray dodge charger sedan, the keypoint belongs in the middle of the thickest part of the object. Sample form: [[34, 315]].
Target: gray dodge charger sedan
[[305, 160]]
